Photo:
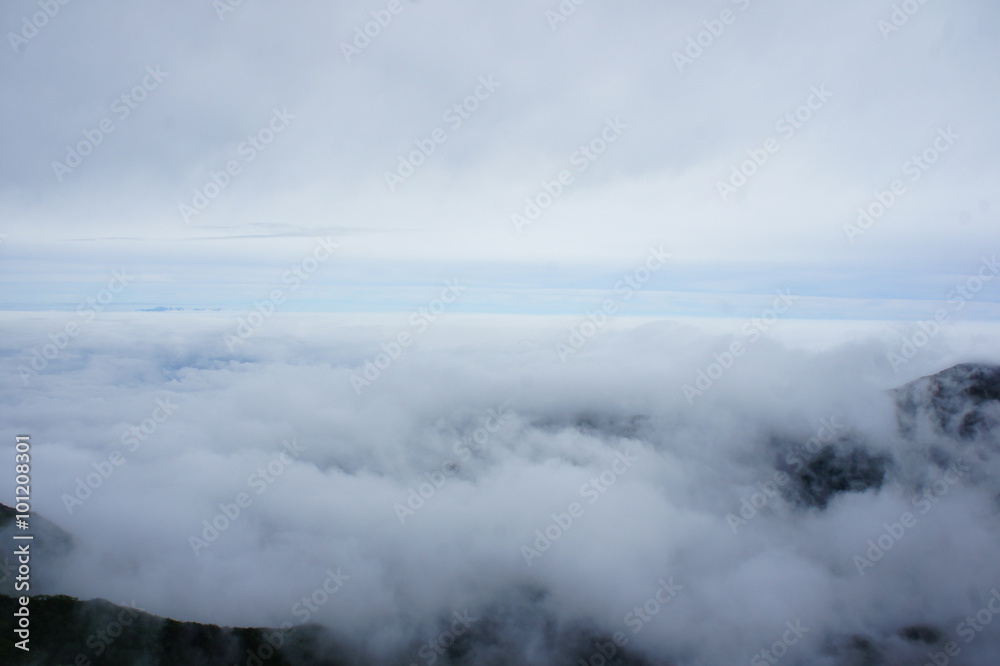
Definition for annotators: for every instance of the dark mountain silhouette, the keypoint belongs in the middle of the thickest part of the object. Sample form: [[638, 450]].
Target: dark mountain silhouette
[[962, 402]]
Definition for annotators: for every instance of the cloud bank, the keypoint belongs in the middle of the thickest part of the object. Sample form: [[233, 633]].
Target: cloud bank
[[559, 504]]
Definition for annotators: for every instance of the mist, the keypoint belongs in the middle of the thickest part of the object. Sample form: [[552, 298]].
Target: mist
[[479, 473]]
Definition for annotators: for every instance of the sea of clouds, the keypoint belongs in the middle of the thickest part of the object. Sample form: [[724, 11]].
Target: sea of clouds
[[480, 481]]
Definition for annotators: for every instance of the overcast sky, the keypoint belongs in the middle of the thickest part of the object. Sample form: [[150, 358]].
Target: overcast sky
[[184, 85]]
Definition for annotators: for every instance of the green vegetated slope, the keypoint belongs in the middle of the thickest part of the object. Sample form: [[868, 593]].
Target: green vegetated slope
[[67, 631]]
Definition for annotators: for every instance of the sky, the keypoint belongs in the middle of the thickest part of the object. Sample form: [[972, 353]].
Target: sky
[[619, 120]]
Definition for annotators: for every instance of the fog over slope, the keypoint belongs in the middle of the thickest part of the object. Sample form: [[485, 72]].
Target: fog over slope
[[430, 492]]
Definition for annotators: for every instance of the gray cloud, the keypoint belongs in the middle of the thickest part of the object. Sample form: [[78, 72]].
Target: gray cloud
[[413, 433]]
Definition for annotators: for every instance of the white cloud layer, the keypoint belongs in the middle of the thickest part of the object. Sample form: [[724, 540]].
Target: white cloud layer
[[887, 96], [512, 436]]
